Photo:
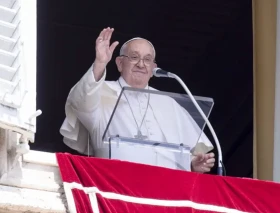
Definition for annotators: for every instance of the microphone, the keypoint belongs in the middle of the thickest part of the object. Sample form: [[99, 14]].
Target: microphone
[[158, 72]]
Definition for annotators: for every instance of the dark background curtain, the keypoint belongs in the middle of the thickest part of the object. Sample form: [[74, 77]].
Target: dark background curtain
[[207, 43]]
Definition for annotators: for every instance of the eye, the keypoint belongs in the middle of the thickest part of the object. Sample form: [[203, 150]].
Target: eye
[[148, 59], [134, 57]]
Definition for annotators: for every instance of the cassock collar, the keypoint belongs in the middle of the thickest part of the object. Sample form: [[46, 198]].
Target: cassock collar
[[132, 93], [124, 84], [113, 87]]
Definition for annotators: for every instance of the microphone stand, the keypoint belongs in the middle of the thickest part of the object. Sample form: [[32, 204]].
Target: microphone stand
[[220, 157]]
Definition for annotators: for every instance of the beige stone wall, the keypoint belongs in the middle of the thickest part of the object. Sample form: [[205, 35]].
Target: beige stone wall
[[264, 32]]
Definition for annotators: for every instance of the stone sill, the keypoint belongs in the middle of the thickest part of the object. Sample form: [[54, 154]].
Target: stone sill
[[19, 200], [33, 185]]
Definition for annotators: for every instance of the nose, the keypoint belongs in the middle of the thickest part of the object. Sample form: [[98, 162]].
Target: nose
[[140, 63]]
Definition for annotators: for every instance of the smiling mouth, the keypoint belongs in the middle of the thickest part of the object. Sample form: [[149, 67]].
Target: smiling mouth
[[138, 71]]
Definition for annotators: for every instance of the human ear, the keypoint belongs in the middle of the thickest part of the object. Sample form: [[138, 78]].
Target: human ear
[[119, 63]]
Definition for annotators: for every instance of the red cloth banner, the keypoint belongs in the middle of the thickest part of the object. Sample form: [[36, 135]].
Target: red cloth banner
[[94, 185]]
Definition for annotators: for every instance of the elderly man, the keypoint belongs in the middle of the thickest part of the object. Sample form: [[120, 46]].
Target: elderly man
[[88, 112]]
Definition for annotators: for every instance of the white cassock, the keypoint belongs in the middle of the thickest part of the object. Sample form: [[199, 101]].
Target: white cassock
[[89, 107]]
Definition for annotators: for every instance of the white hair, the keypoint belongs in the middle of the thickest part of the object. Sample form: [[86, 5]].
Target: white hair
[[136, 38]]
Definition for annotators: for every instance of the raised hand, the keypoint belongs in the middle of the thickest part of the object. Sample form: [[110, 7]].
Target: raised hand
[[104, 50], [203, 162]]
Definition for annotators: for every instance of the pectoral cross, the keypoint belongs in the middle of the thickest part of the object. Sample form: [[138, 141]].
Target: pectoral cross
[[140, 136]]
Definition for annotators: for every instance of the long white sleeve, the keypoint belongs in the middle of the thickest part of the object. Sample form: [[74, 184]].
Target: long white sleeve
[[84, 99], [85, 96], [81, 111]]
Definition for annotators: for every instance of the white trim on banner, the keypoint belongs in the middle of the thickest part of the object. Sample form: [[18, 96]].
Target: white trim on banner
[[94, 202], [69, 198], [146, 201]]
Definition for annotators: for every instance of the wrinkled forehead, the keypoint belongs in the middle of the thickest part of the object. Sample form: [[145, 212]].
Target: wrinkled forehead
[[138, 44]]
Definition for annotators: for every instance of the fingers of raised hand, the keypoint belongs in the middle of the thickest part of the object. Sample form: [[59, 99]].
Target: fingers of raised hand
[[109, 33], [105, 35], [113, 46], [100, 38]]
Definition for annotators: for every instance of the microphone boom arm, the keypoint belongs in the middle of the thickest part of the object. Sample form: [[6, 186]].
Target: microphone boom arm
[[161, 73]]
